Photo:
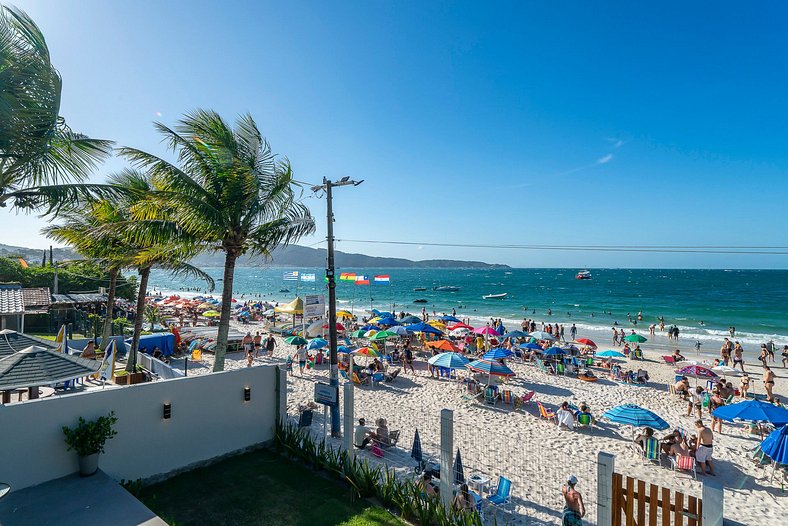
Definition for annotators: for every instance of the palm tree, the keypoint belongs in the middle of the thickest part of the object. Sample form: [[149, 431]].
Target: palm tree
[[40, 156], [227, 192]]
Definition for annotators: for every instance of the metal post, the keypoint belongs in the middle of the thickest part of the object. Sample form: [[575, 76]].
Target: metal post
[[447, 451], [347, 438], [332, 308], [604, 489]]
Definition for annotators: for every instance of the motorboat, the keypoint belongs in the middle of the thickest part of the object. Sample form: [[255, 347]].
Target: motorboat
[[446, 288], [420, 300], [494, 296], [583, 274], [419, 289], [284, 290]]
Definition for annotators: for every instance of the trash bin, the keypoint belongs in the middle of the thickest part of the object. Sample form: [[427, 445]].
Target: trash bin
[[305, 420]]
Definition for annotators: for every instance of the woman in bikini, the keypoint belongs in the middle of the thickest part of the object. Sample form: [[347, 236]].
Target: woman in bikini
[[768, 383]]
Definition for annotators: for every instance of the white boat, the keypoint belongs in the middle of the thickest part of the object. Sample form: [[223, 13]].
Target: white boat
[[495, 296], [446, 288], [583, 274]]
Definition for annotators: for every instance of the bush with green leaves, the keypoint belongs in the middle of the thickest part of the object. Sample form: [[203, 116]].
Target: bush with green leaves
[[89, 437]]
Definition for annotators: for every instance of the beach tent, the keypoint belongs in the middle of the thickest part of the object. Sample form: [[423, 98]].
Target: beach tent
[[165, 341], [294, 307]]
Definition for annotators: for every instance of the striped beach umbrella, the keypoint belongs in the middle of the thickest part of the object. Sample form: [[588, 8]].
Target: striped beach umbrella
[[634, 415], [497, 354], [369, 352], [490, 368], [449, 360]]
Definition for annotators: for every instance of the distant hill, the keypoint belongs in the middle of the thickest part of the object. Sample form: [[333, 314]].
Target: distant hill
[[291, 256]]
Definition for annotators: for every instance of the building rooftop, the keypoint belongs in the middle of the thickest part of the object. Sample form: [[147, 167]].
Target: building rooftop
[[73, 299], [36, 297], [12, 342], [11, 301]]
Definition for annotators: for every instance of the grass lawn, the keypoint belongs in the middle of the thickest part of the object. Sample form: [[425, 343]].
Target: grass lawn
[[259, 488]]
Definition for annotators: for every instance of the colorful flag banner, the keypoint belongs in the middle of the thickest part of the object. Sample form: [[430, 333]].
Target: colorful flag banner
[[23, 263], [290, 276], [107, 368], [307, 277], [347, 276], [362, 280], [383, 280]]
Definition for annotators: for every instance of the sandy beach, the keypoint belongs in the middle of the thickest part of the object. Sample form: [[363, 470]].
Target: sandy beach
[[536, 454]]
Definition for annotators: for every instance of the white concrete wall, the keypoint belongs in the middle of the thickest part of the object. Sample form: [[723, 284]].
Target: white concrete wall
[[209, 419]]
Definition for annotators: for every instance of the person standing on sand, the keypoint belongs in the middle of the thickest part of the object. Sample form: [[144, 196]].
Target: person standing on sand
[[615, 336], [573, 332], [574, 509], [768, 383], [703, 449], [270, 343]]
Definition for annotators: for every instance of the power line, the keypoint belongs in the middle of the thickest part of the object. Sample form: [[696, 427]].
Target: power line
[[689, 249]]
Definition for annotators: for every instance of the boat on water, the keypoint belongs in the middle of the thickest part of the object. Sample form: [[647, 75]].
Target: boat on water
[[419, 289], [495, 296], [284, 290], [446, 288], [583, 274], [420, 300]]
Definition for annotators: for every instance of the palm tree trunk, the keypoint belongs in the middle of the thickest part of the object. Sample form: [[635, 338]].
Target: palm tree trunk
[[107, 332], [139, 317], [227, 303]]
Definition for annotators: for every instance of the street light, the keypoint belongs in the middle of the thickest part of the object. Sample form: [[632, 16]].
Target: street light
[[332, 293]]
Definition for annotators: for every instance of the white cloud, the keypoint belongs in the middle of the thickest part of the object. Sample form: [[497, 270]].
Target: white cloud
[[616, 143], [606, 159]]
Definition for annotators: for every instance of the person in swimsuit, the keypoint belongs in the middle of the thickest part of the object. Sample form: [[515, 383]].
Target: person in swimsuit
[[258, 344], [574, 509], [407, 356], [785, 356], [744, 385], [704, 448], [768, 383], [738, 356]]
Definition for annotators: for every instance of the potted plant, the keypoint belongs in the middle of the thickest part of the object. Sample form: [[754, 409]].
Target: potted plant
[[88, 439]]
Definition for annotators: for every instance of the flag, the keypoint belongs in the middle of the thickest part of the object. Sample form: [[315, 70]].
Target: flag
[[307, 277], [382, 280], [61, 340], [362, 280], [23, 263], [347, 276], [290, 276], [107, 368]]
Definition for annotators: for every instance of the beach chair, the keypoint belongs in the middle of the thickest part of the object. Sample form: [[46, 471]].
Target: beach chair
[[506, 397], [670, 360], [502, 494], [391, 441], [729, 400], [344, 375], [391, 377], [584, 420], [377, 378], [650, 452], [684, 463], [357, 380], [490, 396], [474, 391], [559, 368], [547, 415]]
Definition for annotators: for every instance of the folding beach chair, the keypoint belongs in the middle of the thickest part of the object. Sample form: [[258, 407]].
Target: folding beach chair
[[684, 463], [377, 378], [391, 441], [344, 375], [506, 397], [503, 493], [651, 452], [357, 380], [583, 421], [547, 415], [670, 360], [559, 368], [490, 396]]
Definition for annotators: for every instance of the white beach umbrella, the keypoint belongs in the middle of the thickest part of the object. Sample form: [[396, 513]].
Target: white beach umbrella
[[462, 331]]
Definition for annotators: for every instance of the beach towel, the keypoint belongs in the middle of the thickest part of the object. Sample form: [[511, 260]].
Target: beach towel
[[571, 518]]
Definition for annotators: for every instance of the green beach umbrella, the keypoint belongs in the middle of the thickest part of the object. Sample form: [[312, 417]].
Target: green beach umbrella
[[296, 340], [358, 334], [382, 335], [636, 338]]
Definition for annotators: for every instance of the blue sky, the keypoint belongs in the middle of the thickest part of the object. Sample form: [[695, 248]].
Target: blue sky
[[513, 122]]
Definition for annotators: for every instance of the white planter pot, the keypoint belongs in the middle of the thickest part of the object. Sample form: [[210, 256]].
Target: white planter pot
[[88, 465]]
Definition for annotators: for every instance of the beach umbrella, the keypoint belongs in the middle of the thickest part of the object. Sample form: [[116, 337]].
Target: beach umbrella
[[317, 343], [388, 321], [724, 370], [635, 415], [449, 360], [382, 314], [585, 341], [436, 324], [489, 368], [459, 472], [415, 450], [374, 321], [344, 349], [497, 354], [460, 326], [554, 351], [399, 330], [530, 346], [610, 353], [211, 314], [753, 411], [462, 331], [369, 352], [423, 327], [696, 371], [449, 318], [515, 334], [358, 334], [410, 319], [340, 327], [636, 338], [382, 335], [370, 333], [775, 446], [541, 335], [344, 315], [443, 345], [295, 340], [486, 330]]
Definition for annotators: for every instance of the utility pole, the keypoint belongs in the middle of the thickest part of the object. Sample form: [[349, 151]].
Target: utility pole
[[332, 294]]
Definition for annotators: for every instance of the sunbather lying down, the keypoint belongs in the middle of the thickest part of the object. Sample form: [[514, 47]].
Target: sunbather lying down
[[390, 377]]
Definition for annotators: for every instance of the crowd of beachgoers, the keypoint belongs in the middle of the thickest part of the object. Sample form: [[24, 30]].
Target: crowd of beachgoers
[[514, 377]]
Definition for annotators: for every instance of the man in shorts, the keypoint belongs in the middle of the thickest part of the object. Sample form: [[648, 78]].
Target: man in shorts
[[574, 509], [695, 401], [301, 354], [248, 346], [704, 448], [258, 344]]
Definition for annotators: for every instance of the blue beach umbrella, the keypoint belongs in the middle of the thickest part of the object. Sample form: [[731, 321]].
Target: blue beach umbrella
[[459, 472], [399, 330], [423, 327], [531, 346], [610, 353], [388, 320], [753, 411], [554, 351], [541, 335], [775, 446], [497, 354], [410, 319], [344, 349], [449, 318], [449, 360], [489, 368], [415, 450], [516, 334], [317, 343], [635, 415]]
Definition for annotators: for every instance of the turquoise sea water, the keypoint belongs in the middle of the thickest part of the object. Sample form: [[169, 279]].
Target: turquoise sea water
[[754, 301]]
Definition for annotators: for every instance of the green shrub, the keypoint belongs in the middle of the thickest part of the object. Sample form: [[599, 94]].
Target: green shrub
[[88, 438]]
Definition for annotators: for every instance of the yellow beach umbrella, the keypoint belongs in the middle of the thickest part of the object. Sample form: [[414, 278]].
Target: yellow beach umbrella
[[344, 314], [211, 314]]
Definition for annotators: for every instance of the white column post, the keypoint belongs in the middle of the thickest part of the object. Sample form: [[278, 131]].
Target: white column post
[[604, 490], [447, 451], [281, 394], [712, 504], [348, 416]]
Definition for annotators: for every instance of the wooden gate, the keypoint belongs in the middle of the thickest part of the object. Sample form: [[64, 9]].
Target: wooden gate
[[644, 504]]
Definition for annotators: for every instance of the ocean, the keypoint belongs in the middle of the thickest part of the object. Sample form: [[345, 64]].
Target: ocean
[[702, 303]]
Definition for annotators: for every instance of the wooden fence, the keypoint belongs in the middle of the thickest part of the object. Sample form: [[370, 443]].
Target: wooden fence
[[644, 504]]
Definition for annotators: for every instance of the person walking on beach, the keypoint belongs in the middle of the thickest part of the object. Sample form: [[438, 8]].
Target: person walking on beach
[[768, 383], [407, 356], [615, 336], [573, 332], [270, 343], [770, 350], [574, 509], [785, 356], [258, 344], [764, 356]]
